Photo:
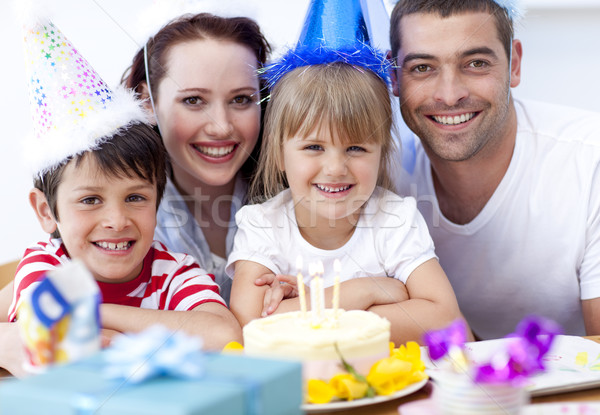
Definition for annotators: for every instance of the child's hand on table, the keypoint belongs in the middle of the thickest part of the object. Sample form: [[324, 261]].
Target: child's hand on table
[[280, 287]]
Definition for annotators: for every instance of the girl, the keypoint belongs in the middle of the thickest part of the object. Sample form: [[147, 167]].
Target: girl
[[324, 163], [202, 87]]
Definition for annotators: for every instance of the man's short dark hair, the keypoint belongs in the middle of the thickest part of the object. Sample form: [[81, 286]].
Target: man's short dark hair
[[446, 8]]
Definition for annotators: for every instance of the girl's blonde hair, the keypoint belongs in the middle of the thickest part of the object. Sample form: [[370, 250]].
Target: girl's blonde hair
[[352, 101]]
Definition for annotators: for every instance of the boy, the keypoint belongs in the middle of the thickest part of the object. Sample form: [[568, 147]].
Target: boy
[[99, 177], [100, 207]]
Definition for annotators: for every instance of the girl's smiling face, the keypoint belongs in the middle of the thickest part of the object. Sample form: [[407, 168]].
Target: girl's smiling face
[[106, 221], [208, 111], [330, 179]]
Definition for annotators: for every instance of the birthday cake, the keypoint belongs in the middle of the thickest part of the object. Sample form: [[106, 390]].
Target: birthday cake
[[360, 337]]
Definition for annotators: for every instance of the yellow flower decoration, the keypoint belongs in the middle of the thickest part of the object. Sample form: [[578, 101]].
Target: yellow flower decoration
[[346, 386], [411, 352], [403, 367], [233, 348], [319, 391], [389, 375]]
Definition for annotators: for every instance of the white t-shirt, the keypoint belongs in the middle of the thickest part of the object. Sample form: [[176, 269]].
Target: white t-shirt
[[535, 246], [391, 239]]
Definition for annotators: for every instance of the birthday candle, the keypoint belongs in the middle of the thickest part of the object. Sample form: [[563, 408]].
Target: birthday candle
[[337, 268], [300, 283], [321, 303], [314, 294]]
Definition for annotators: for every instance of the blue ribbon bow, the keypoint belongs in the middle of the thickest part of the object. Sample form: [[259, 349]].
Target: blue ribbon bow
[[154, 352]]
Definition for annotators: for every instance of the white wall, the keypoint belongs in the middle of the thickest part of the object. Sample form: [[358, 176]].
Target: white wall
[[561, 64], [561, 54]]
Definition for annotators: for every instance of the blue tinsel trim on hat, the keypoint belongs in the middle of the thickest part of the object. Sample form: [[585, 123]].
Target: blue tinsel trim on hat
[[362, 55], [513, 8]]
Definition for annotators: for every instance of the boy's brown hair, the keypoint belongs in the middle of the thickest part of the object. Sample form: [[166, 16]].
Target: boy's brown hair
[[133, 151]]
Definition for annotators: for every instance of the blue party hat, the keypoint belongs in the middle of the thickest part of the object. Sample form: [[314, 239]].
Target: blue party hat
[[335, 24], [333, 31], [513, 8]]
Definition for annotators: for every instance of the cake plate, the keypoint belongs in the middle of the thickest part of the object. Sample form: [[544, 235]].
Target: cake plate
[[343, 405]]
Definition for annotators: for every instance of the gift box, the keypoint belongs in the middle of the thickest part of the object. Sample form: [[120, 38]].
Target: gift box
[[231, 384], [59, 318]]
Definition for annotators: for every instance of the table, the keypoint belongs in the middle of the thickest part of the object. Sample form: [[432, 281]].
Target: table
[[391, 407]]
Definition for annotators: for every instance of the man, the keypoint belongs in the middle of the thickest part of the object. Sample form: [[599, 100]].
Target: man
[[510, 189]]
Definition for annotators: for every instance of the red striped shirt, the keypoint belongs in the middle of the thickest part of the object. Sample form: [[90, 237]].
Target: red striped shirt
[[168, 281]]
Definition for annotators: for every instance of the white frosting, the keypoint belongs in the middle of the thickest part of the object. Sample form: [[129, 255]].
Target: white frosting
[[361, 336]]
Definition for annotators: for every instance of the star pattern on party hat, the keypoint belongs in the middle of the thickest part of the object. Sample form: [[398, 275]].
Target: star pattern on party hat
[[73, 109], [56, 65]]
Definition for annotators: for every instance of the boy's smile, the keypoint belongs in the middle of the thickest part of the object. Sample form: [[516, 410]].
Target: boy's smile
[[106, 221]]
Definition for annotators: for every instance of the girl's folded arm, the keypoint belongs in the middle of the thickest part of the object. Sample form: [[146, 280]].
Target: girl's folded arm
[[355, 294], [431, 304], [246, 301]]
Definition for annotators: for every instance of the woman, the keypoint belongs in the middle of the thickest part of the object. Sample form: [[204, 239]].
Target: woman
[[199, 76]]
